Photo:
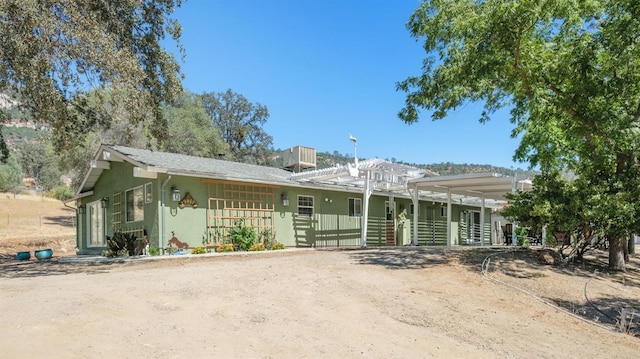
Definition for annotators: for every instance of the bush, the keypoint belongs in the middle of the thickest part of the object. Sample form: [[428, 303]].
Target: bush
[[154, 251], [242, 236], [121, 244], [277, 245], [257, 247], [198, 250], [268, 238], [60, 193], [227, 247]]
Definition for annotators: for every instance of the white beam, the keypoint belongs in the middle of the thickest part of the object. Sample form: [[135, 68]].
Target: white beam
[[142, 173], [100, 164]]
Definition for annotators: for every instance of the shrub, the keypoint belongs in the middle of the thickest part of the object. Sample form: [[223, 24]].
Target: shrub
[[198, 250], [277, 245], [226, 247], [257, 247], [60, 193], [242, 236], [268, 238], [121, 244], [154, 251]]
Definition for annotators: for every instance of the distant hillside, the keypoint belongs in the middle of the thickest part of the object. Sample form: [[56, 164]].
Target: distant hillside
[[327, 160]]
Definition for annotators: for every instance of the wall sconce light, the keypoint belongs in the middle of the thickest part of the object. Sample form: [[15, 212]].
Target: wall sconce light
[[80, 210], [175, 194], [285, 199], [326, 199], [104, 201]]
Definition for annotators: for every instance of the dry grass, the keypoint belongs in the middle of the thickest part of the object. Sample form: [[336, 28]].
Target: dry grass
[[30, 222]]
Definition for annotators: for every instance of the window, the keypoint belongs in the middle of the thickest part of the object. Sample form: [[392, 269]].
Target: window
[[355, 207], [443, 211], [134, 199], [305, 206], [148, 192]]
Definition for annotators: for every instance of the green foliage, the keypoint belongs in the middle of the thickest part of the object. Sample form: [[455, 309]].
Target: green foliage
[[267, 238], [198, 250], [154, 251], [121, 244], [39, 161], [118, 45], [277, 246], [192, 131], [10, 174], [242, 236], [240, 125], [60, 193], [568, 70]]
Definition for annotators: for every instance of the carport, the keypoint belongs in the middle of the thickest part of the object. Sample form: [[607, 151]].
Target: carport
[[484, 190]]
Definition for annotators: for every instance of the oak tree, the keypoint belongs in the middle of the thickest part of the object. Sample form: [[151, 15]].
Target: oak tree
[[54, 51], [568, 70]]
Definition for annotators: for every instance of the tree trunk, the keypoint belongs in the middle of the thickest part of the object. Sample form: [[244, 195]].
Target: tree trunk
[[616, 253], [632, 245]]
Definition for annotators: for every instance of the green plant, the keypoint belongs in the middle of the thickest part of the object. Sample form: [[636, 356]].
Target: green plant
[[226, 247], [198, 250], [257, 247], [154, 251], [277, 245], [268, 238], [242, 236], [121, 244]]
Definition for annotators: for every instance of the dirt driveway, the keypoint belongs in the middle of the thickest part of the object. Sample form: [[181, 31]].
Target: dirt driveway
[[386, 303]]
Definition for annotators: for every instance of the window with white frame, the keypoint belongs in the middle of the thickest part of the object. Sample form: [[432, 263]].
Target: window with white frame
[[305, 206], [134, 199], [355, 207], [443, 211]]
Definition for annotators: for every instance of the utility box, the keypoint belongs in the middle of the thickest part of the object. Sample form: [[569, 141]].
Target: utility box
[[299, 158]]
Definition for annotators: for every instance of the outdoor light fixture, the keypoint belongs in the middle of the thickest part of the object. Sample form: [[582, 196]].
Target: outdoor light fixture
[[175, 193], [80, 210], [104, 201], [285, 199]]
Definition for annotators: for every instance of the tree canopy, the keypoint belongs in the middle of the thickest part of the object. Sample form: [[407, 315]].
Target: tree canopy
[[568, 70], [52, 52], [240, 124]]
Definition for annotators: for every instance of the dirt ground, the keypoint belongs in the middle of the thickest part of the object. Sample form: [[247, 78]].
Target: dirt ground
[[412, 302]]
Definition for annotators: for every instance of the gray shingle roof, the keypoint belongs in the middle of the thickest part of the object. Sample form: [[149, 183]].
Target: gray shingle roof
[[202, 167]]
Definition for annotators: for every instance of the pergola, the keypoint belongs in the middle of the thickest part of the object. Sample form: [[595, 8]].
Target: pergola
[[484, 190]]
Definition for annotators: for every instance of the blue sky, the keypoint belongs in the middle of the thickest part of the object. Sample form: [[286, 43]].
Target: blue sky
[[325, 69]]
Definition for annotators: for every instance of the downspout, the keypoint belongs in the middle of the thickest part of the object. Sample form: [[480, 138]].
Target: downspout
[[78, 219], [162, 196]]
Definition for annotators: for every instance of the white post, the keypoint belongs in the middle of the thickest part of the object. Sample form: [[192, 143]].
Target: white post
[[448, 217], [365, 216], [482, 221], [416, 209]]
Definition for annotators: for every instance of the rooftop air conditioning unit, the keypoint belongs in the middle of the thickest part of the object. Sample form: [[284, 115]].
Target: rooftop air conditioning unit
[[299, 158]]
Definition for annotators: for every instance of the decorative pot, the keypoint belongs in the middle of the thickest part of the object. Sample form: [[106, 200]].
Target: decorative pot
[[44, 254], [23, 256]]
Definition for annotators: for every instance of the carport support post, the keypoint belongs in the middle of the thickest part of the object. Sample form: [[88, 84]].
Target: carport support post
[[482, 221], [448, 217], [365, 217], [416, 209]]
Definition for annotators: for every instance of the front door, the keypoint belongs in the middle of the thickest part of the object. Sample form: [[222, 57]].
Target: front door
[[95, 225], [473, 227]]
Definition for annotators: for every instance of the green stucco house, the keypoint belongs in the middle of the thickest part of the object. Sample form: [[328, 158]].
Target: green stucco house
[[197, 200]]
